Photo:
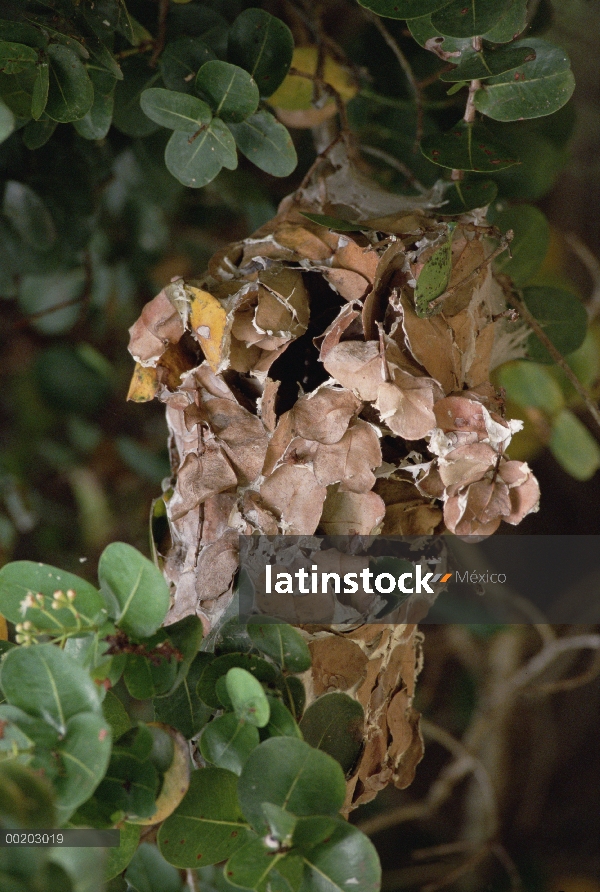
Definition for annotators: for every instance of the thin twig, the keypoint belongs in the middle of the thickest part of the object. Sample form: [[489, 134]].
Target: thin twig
[[592, 265], [576, 681], [558, 358], [466, 867], [161, 36], [503, 246], [331, 91], [191, 878], [400, 166], [320, 157], [405, 65]]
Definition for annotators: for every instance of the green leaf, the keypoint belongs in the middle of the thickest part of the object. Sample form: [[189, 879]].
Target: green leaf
[[403, 9], [347, 860], [263, 45], [41, 292], [530, 243], [15, 56], [7, 121], [310, 832], [21, 32], [96, 123], [138, 591], [118, 857], [83, 866], [227, 742], [435, 275], [41, 86], [131, 785], [84, 753], [45, 682], [247, 696], [25, 798], [429, 38], [267, 143], [183, 709], [255, 867], [233, 638], [561, 315], [70, 94], [229, 90], [281, 823], [207, 826], [180, 61], [542, 157], [530, 384], [334, 723], [511, 24], [281, 721], [196, 159], [293, 775], [294, 695], [573, 446], [115, 714], [28, 215], [128, 116], [186, 637], [282, 643], [144, 679], [460, 19], [37, 133], [465, 195], [177, 111], [16, 91], [483, 64], [149, 872], [535, 89], [37, 731], [260, 669], [333, 222], [467, 147]]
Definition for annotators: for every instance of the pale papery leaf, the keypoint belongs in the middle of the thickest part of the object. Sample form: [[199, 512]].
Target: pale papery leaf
[[357, 366], [349, 284], [351, 513], [349, 461], [406, 405], [242, 435], [295, 497], [465, 465], [432, 344], [324, 414], [334, 332], [201, 476], [158, 326], [359, 259]]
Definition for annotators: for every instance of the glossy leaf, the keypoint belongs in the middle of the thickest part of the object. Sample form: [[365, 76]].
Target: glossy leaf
[[183, 708], [530, 384], [561, 315], [403, 9], [25, 798], [84, 753], [511, 24], [573, 446], [196, 159], [22, 32], [281, 721], [45, 682], [229, 90], [282, 643], [177, 111], [294, 695], [136, 589], [233, 638], [465, 195], [41, 86], [263, 45], [70, 94], [281, 823], [15, 56], [260, 669], [530, 243], [429, 37], [247, 696], [186, 637], [181, 60], [334, 723], [29, 215], [116, 715], [467, 147], [533, 90], [293, 775], [128, 115], [16, 91], [483, 64], [20, 578], [227, 742], [208, 826], [171, 756], [255, 867], [149, 872], [131, 785], [347, 860], [310, 832], [267, 143], [96, 123], [145, 678], [435, 275], [7, 121], [460, 19], [118, 857], [37, 133]]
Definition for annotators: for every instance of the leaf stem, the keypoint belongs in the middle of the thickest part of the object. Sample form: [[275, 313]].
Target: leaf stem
[[469, 115]]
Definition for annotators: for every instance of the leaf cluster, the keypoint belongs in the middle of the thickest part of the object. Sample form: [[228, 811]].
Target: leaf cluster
[[98, 704]]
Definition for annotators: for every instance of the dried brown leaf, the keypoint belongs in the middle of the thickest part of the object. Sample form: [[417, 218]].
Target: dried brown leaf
[[158, 326], [351, 513], [294, 496]]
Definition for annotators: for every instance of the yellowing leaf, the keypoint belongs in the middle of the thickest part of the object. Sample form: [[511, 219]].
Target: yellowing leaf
[[144, 384], [296, 93], [3, 629], [208, 320]]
